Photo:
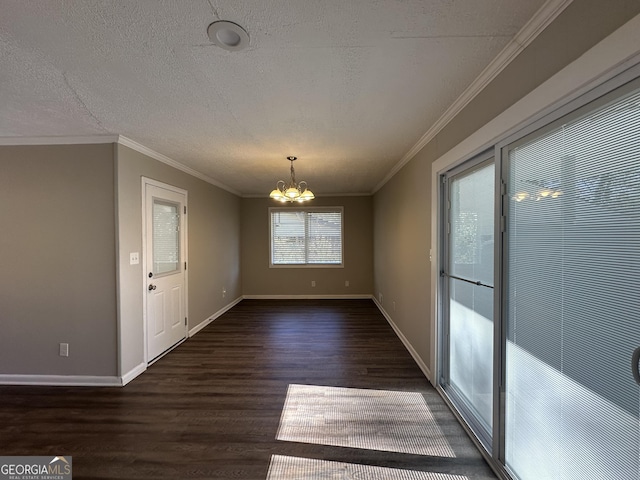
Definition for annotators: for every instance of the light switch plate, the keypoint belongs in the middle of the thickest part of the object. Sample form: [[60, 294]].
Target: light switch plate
[[134, 258]]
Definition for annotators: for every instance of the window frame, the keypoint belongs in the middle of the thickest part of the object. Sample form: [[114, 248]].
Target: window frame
[[306, 210]]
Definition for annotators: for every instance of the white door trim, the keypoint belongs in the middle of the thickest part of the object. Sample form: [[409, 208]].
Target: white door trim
[[143, 281]]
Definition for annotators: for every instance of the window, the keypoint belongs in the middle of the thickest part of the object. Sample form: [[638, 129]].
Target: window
[[166, 237], [306, 237]]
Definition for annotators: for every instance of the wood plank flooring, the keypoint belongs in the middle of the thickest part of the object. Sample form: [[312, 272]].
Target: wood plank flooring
[[211, 408]]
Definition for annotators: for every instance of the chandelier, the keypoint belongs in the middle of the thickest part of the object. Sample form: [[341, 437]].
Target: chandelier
[[292, 191]]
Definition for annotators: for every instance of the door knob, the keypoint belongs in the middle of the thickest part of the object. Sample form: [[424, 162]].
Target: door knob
[[152, 287]]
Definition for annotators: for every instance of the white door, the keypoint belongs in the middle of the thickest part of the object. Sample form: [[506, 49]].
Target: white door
[[165, 240]]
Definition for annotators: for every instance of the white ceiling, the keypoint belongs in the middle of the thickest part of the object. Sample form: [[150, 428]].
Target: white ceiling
[[348, 86]]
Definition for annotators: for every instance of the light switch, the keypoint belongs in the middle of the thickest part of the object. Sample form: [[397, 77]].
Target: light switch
[[134, 258]]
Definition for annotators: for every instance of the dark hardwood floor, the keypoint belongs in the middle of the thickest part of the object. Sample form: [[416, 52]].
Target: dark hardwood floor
[[211, 408]]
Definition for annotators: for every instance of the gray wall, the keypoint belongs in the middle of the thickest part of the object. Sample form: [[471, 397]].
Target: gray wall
[[401, 252], [259, 279], [402, 232], [58, 249], [214, 247]]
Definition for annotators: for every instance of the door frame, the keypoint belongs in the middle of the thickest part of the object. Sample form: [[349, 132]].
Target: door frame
[[185, 229]]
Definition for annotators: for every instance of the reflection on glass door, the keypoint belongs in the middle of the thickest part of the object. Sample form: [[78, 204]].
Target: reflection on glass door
[[468, 279]]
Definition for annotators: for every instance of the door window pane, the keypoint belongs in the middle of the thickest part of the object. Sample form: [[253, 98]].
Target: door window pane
[[471, 347], [166, 237], [471, 219], [471, 305]]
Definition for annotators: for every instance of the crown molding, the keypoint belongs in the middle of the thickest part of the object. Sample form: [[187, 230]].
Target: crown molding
[[58, 140], [356, 194], [536, 25], [324, 195], [120, 139], [138, 147]]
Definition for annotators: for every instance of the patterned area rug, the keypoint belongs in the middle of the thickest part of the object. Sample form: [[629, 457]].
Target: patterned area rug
[[372, 419], [293, 468]]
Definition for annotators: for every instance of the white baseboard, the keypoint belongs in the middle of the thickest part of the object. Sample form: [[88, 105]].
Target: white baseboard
[[307, 297], [405, 341], [61, 380], [207, 321], [133, 373]]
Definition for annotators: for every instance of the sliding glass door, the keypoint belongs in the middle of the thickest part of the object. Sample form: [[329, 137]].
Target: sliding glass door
[[468, 280], [540, 357], [573, 298]]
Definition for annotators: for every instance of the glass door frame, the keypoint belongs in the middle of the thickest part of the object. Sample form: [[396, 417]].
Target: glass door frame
[[490, 441]]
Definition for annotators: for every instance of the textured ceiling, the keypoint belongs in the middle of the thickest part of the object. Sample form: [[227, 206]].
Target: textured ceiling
[[348, 86]]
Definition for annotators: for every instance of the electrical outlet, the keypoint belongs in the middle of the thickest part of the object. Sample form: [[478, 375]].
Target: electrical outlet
[[224, 292], [313, 283], [134, 258], [380, 298], [64, 349], [346, 283]]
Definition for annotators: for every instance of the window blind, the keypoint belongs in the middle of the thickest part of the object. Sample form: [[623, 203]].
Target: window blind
[[303, 237], [166, 237], [572, 297], [324, 237]]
